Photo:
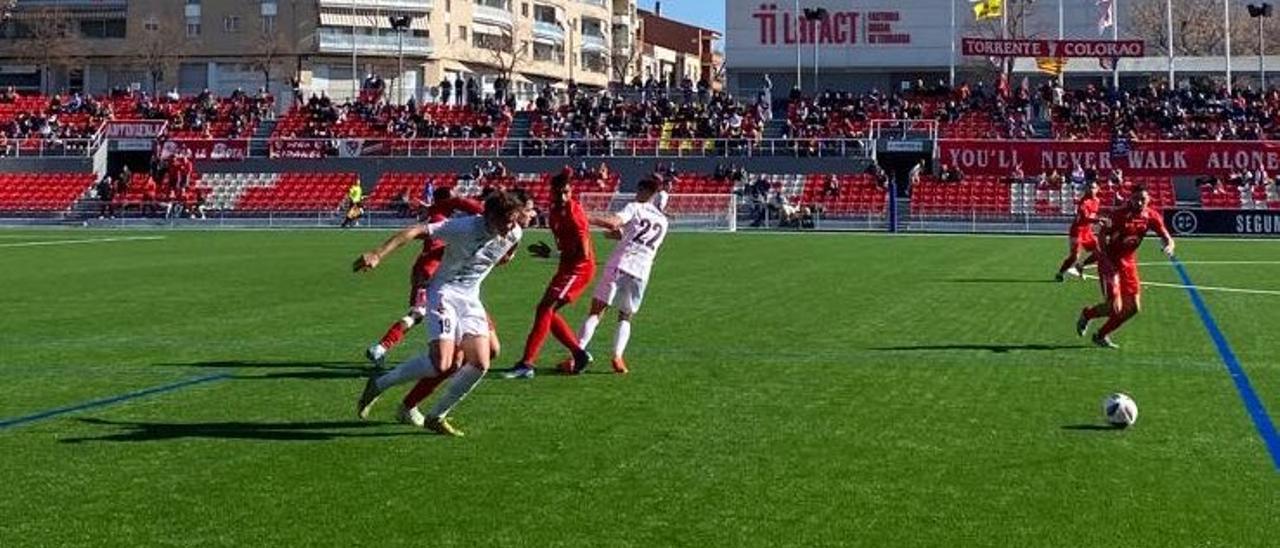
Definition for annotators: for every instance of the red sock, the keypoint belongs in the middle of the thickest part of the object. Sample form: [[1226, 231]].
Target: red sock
[[563, 332], [537, 334], [422, 390], [394, 335]]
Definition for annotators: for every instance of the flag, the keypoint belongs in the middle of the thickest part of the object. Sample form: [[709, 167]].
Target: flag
[[987, 9], [1051, 65], [1106, 15]]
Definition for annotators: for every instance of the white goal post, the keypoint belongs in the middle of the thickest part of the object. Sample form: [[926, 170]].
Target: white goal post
[[713, 212]]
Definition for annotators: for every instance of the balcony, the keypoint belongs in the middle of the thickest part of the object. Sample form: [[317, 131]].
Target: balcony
[[622, 21], [597, 3], [491, 15], [593, 42], [369, 44], [401, 5], [546, 32]]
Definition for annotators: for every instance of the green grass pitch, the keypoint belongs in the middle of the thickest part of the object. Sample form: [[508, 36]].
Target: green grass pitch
[[786, 389]]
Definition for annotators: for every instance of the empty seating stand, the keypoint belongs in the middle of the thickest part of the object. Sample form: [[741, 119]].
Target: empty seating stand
[[41, 193]]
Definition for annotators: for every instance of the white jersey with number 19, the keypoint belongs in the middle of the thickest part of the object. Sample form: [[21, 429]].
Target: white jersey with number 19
[[643, 230]]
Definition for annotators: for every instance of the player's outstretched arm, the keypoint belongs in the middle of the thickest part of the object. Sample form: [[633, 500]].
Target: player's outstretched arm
[[370, 259], [1166, 239], [610, 222]]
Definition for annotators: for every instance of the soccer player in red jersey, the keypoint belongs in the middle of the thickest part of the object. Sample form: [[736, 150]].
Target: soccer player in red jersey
[[568, 223], [443, 205], [1121, 234], [1081, 236]]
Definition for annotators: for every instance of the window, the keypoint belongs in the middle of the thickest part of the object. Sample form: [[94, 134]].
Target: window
[[524, 9], [268, 24], [102, 28], [193, 27], [548, 53], [231, 23], [151, 24], [493, 42], [462, 33]]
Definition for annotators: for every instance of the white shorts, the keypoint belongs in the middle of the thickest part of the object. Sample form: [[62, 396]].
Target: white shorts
[[453, 316], [625, 289]]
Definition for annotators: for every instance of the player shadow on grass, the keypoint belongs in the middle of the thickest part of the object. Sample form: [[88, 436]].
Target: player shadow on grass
[[309, 370], [1000, 281], [1093, 427], [994, 348], [272, 431]]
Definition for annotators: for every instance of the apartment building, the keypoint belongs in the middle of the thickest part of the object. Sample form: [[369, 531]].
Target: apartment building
[[329, 45]]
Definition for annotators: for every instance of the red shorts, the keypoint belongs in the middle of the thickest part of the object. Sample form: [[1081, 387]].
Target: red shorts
[[1119, 281], [567, 286], [1083, 239]]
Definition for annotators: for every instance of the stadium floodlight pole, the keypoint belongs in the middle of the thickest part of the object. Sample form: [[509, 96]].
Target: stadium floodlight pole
[[795, 16], [1226, 25], [1006, 63], [355, 62], [1062, 33], [813, 17], [1168, 24], [1261, 12], [952, 62], [1115, 35]]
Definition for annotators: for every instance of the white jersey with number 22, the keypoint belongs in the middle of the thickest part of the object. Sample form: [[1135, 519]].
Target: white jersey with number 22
[[644, 227]]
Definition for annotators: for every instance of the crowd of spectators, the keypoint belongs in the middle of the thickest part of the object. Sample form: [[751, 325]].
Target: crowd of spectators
[[167, 189], [207, 116], [590, 122]]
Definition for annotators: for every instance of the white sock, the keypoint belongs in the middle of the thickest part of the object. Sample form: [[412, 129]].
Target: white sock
[[624, 335], [418, 367], [588, 330], [463, 382]]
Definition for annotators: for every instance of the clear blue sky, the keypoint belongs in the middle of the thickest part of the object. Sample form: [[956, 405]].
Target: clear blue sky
[[703, 13]]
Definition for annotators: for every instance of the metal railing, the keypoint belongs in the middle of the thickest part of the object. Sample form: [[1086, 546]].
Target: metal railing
[[534, 147], [50, 148]]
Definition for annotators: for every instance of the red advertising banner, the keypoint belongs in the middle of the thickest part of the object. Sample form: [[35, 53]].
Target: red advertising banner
[[207, 149], [1162, 158], [994, 47], [301, 148]]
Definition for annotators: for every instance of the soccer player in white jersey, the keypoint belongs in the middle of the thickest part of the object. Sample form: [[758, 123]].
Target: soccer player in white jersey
[[643, 227], [457, 320]]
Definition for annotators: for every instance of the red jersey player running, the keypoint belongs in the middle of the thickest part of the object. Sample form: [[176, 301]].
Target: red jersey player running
[[1121, 234], [568, 224], [443, 205], [1081, 236]]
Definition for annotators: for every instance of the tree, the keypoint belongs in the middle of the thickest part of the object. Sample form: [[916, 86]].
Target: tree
[[504, 51], [1197, 28], [47, 38], [269, 50], [161, 52], [623, 60]]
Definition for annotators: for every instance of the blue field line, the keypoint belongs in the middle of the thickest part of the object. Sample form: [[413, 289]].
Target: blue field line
[[17, 421], [1258, 412]]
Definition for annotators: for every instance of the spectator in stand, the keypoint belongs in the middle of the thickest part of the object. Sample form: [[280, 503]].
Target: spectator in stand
[[10, 95], [150, 205], [402, 204], [198, 200], [830, 186], [1055, 179], [951, 174], [446, 90], [917, 171], [106, 195]]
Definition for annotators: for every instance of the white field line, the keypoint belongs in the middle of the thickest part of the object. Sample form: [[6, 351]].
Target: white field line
[[84, 241], [1205, 287]]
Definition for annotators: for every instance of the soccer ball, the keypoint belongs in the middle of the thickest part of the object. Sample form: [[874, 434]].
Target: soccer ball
[[1120, 410]]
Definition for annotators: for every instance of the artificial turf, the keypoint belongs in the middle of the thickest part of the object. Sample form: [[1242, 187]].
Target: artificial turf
[[786, 389]]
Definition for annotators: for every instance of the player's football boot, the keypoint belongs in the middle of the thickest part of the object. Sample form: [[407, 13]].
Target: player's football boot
[[1074, 272], [1082, 323], [411, 416], [619, 366], [520, 371], [367, 398], [581, 359], [1103, 341], [440, 425], [377, 355]]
